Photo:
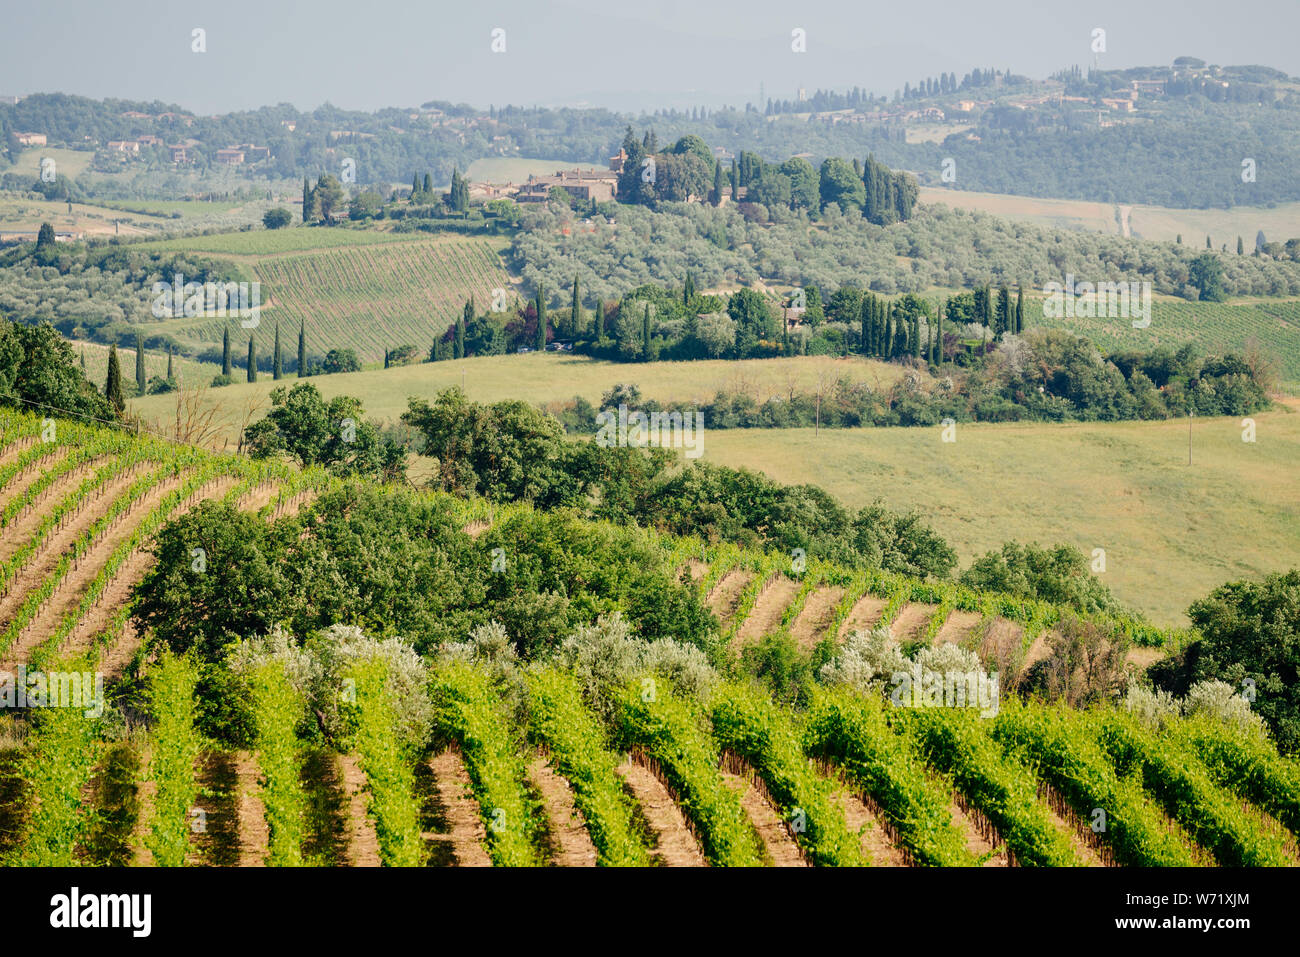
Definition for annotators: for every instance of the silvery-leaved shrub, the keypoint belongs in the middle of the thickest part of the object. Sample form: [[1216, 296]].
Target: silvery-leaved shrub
[[318, 668], [865, 662], [1221, 700], [605, 656], [281, 647], [686, 667], [490, 646], [1151, 707], [948, 659]]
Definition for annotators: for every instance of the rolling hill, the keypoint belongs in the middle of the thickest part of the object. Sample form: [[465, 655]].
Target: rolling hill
[[356, 289], [1231, 514], [631, 774]]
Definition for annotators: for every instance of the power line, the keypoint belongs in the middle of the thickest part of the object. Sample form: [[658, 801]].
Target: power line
[[69, 413]]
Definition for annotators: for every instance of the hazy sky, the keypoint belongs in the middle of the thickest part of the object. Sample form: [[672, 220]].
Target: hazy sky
[[624, 54]]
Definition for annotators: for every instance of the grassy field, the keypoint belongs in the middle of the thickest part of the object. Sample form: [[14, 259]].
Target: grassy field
[[129, 218], [71, 163], [509, 169], [1052, 213], [554, 377], [1145, 222], [269, 242], [933, 132], [19, 213], [188, 372], [358, 289], [1279, 223], [1171, 533]]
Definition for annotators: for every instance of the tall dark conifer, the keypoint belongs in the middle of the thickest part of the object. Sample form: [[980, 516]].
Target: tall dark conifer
[[462, 326], [113, 382], [225, 351], [277, 365], [302, 349], [540, 342], [252, 359], [938, 333], [575, 310], [140, 378]]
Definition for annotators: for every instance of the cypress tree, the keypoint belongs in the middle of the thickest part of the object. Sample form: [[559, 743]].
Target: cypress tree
[[1241, 247], [415, 184], [113, 383], [252, 359], [541, 321], [1005, 319], [428, 183], [140, 380], [938, 335], [735, 182], [867, 331], [277, 366], [645, 332], [600, 319], [302, 349], [882, 328], [1020, 310], [83, 359], [688, 290], [987, 318], [575, 310], [785, 336], [306, 199], [717, 183], [169, 364], [916, 335], [385, 358], [458, 344], [225, 351]]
